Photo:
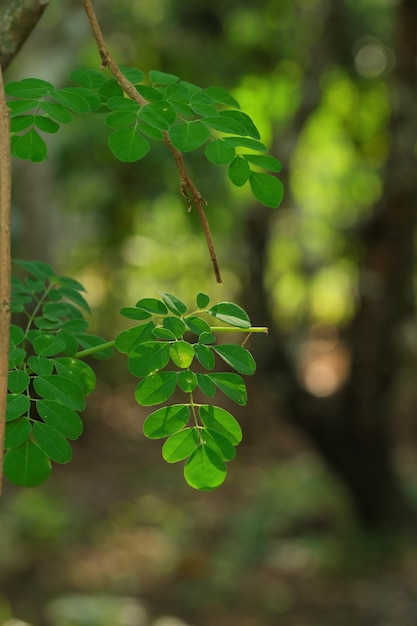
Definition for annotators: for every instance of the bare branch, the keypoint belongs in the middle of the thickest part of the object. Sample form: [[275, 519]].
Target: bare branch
[[187, 186]]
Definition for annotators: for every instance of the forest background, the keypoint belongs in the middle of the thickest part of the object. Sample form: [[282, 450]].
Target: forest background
[[316, 522]]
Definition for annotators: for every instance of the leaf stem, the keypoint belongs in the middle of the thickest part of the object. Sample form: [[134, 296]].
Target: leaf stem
[[5, 262], [187, 186], [93, 350], [237, 329]]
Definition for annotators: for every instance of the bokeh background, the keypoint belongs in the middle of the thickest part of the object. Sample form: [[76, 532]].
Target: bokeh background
[[315, 524]]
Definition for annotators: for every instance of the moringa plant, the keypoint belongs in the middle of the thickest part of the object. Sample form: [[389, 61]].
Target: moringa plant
[[171, 347]]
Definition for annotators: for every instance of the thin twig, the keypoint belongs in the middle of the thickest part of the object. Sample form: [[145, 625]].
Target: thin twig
[[5, 262], [187, 186]]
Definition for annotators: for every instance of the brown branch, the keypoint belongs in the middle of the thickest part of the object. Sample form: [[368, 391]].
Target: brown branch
[[17, 22], [187, 186], [5, 262]]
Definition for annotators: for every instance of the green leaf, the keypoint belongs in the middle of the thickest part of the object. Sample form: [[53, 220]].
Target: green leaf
[[182, 354], [188, 136], [16, 334], [57, 111], [222, 96], [163, 333], [162, 78], [265, 161], [120, 120], [205, 356], [77, 370], [231, 314], [55, 446], [183, 109], [60, 417], [30, 146], [180, 445], [266, 188], [133, 313], [225, 125], [152, 305], [93, 341], [39, 269], [132, 74], [187, 381], [16, 356], [48, 345], [175, 325], [219, 152], [40, 365], [17, 405], [174, 304], [206, 385], [71, 100], [21, 122], [206, 338], [61, 389], [239, 171], [204, 470], [149, 131], [202, 300], [237, 357], [156, 388], [244, 120], [127, 145], [196, 325], [166, 421], [26, 465], [147, 358], [123, 105], [28, 88], [215, 418], [178, 92], [219, 444], [46, 124], [231, 385], [149, 93], [17, 381], [93, 99], [90, 79], [246, 142], [70, 294], [202, 104], [128, 339], [110, 89], [159, 114], [21, 106], [17, 432]]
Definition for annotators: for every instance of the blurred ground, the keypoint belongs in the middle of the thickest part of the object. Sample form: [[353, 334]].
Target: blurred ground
[[119, 528]]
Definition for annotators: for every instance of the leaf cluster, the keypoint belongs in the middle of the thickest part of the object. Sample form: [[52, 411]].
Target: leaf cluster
[[169, 336], [188, 115], [47, 383]]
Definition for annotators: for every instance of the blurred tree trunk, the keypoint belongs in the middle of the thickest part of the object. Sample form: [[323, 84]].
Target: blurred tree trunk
[[351, 429]]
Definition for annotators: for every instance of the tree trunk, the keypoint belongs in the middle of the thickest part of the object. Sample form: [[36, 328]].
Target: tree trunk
[[351, 429]]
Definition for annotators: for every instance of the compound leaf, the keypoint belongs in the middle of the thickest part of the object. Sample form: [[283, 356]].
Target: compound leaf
[[28, 88], [219, 152], [30, 146], [17, 405], [18, 381], [215, 418], [181, 353], [239, 171], [55, 446], [266, 161], [47, 344], [128, 339], [222, 96], [174, 304], [78, 371], [17, 432], [187, 381], [188, 136]]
